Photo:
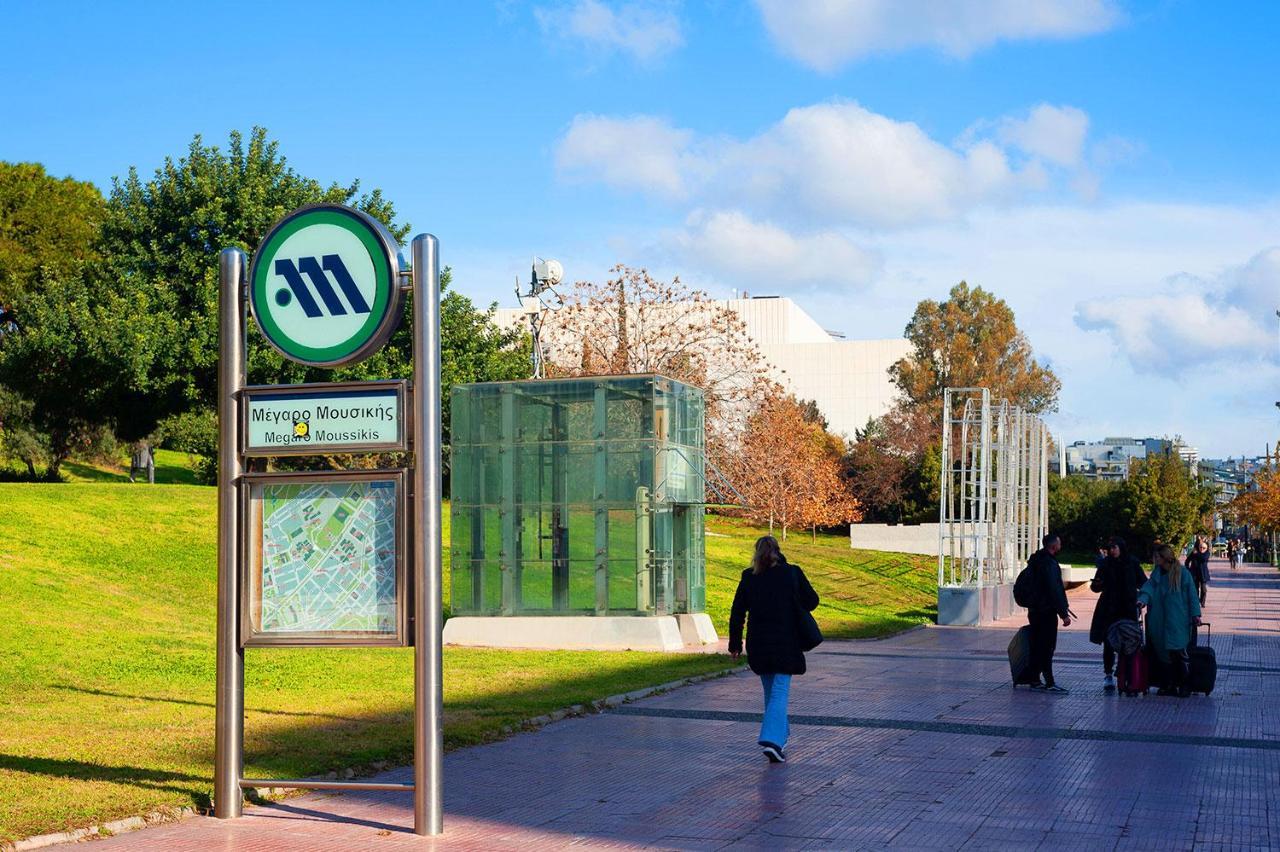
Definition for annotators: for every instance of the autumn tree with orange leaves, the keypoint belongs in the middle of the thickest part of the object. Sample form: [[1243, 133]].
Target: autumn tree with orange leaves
[[789, 469]]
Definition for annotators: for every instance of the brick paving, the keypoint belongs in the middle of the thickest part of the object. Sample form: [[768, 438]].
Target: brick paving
[[913, 742]]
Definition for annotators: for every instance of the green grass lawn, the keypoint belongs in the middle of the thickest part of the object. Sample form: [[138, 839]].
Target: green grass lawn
[[107, 657]]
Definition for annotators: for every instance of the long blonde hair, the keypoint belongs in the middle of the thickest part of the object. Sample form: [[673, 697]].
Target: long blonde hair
[[1174, 570]]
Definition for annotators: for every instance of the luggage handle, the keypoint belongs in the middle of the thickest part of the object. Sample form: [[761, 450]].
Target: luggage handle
[[1208, 634]]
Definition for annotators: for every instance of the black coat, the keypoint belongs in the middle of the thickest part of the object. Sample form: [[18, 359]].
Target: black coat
[[1198, 565], [768, 597], [1050, 594], [1117, 582]]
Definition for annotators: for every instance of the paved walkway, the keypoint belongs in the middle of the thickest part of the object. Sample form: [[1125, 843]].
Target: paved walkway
[[915, 742]]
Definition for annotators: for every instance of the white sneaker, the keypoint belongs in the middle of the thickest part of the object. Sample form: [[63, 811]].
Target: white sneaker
[[1109, 684]]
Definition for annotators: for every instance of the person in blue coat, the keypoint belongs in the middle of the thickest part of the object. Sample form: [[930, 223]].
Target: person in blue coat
[[766, 601], [1173, 608]]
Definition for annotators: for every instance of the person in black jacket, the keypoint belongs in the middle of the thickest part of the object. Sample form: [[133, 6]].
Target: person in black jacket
[[1049, 603], [769, 592], [1198, 565], [1117, 580]]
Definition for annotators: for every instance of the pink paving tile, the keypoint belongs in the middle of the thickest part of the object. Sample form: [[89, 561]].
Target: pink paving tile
[[912, 742]]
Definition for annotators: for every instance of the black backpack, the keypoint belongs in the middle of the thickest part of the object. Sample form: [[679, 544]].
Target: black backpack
[[1025, 588]]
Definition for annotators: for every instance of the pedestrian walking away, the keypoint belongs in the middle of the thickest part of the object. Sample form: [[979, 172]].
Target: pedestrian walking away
[[1117, 581], [768, 601], [1198, 565], [1173, 608], [1233, 553], [1046, 601]]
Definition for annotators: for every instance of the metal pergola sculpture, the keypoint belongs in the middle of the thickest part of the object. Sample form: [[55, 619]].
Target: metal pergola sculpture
[[994, 489]]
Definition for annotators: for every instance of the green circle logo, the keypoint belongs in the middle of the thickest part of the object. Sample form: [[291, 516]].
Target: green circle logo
[[324, 287]]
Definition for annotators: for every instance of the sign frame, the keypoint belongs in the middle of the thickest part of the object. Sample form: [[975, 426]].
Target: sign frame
[[388, 254], [404, 415], [250, 638]]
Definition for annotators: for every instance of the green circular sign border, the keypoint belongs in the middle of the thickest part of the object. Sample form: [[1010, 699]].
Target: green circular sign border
[[355, 223]]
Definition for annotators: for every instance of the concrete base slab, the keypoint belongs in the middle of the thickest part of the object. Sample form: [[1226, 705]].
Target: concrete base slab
[[576, 633], [971, 606], [696, 629]]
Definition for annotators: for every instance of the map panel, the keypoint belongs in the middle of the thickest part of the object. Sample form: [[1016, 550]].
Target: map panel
[[327, 556]]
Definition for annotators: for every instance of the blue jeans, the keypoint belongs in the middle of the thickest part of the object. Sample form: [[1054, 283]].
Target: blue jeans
[[775, 728]]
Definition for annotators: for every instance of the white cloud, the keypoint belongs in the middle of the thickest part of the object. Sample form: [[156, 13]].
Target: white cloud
[[836, 162], [641, 153], [646, 31], [1190, 322], [742, 251], [827, 34], [1169, 333], [1053, 133]]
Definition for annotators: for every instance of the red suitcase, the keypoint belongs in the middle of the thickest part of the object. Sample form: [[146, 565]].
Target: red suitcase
[[1133, 675]]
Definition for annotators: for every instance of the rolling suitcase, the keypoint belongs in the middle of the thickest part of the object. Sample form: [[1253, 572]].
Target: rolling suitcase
[[1133, 675], [1020, 657], [1202, 666], [1133, 671]]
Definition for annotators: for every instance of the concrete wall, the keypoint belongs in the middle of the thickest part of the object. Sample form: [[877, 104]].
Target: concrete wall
[[916, 538]]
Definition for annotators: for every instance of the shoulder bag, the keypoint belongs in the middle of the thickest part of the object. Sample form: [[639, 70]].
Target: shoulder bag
[[807, 632]]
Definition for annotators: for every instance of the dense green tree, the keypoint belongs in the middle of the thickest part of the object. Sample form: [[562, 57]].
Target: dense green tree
[[894, 467], [83, 358], [1085, 512], [163, 236], [1164, 502], [47, 225]]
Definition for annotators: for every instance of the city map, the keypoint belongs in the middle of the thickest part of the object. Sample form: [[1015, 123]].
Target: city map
[[328, 557]]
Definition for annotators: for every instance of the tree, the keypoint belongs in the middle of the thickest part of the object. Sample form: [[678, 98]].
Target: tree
[[163, 236], [789, 469], [635, 324], [894, 465], [1164, 502], [971, 340], [46, 224], [1085, 512], [82, 358]]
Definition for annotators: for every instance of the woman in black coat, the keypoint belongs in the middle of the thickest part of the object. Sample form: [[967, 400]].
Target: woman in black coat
[[769, 592], [1117, 580]]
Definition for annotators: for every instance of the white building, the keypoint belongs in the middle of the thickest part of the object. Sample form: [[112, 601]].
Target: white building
[[848, 379]]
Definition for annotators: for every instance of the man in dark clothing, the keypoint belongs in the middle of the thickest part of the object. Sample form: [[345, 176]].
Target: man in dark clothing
[[1049, 604]]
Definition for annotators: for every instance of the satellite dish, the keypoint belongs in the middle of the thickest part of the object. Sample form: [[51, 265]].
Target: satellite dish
[[547, 273]]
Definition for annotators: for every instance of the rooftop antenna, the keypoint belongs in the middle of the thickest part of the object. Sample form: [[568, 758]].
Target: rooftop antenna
[[546, 274]]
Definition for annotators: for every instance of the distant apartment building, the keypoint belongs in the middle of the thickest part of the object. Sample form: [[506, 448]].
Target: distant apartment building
[[1112, 458], [847, 379], [1231, 477]]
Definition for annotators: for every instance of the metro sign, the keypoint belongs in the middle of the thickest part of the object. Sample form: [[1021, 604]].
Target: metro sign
[[325, 285]]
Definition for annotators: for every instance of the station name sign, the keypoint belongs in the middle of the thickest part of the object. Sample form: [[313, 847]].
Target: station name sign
[[339, 417]]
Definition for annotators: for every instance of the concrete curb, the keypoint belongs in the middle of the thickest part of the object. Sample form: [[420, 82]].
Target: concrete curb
[[93, 832], [123, 826]]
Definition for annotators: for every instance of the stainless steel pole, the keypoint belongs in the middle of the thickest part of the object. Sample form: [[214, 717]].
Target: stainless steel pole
[[229, 715], [428, 664]]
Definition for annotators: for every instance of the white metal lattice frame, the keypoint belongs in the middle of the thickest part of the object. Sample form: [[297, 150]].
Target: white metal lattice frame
[[993, 506]]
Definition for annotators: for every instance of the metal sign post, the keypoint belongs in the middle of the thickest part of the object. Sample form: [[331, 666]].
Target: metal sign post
[[325, 289]]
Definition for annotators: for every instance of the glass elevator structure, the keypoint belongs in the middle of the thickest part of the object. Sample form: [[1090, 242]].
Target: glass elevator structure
[[579, 496]]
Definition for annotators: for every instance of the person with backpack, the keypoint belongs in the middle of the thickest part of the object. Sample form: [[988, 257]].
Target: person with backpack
[[1039, 588], [767, 600], [1117, 581], [1173, 608]]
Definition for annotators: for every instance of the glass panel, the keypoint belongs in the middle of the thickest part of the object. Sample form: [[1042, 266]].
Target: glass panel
[[322, 558], [575, 448], [623, 580], [582, 586]]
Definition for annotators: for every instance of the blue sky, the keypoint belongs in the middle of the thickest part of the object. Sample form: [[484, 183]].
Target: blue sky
[[1107, 167]]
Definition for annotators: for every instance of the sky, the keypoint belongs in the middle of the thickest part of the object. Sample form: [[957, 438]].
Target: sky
[[1108, 168]]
